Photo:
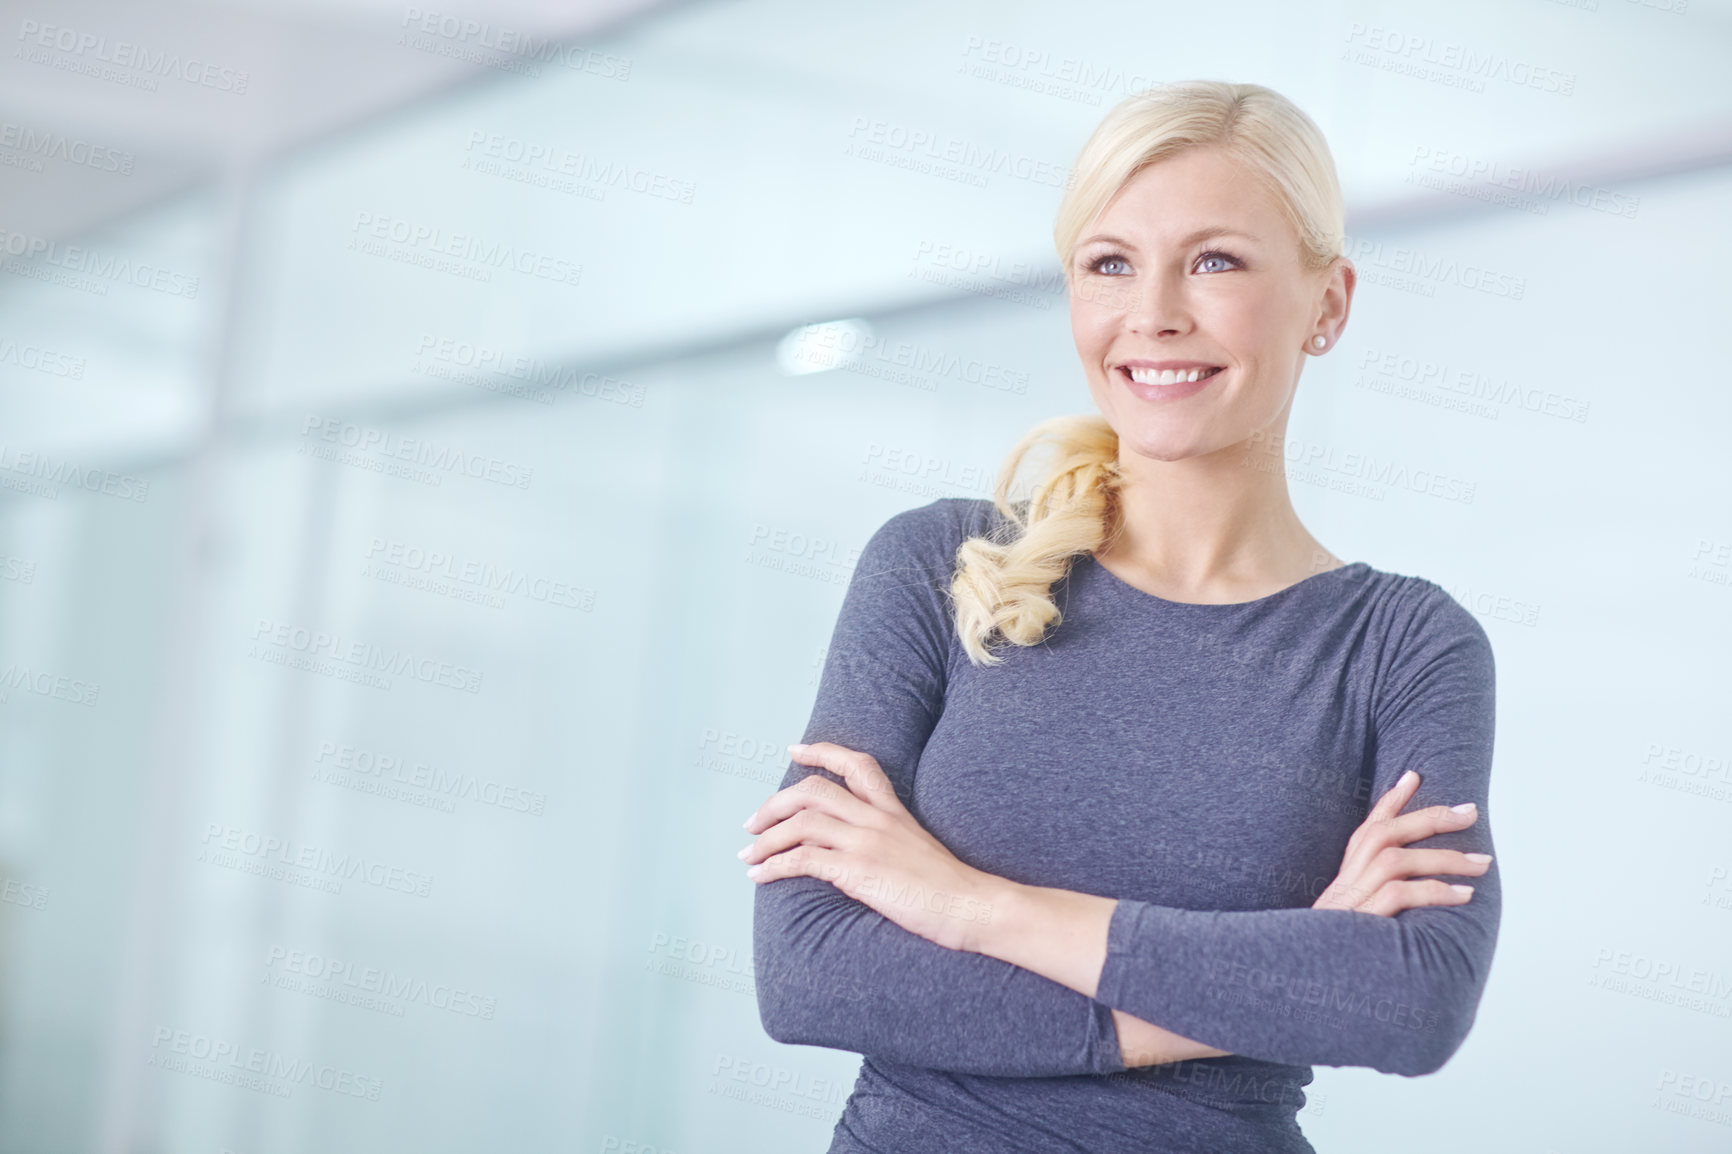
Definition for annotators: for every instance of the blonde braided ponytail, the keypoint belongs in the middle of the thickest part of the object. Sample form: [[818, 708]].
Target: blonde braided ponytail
[[1003, 580]]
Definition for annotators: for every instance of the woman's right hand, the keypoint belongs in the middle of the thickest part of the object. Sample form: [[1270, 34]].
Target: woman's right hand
[[1377, 865], [1375, 878]]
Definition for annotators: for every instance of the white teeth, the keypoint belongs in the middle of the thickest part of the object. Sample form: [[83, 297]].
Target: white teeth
[[1166, 376]]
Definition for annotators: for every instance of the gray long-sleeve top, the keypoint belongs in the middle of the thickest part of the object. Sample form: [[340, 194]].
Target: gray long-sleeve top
[[1203, 764]]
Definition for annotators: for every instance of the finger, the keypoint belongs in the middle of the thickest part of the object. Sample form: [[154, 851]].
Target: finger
[[1371, 838], [808, 827], [1423, 823], [1394, 863], [865, 778], [801, 861], [814, 792], [1365, 840], [1395, 897], [1342, 894], [1398, 796]]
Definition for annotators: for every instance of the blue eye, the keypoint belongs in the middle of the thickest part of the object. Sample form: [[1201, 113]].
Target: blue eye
[[1104, 264], [1216, 255]]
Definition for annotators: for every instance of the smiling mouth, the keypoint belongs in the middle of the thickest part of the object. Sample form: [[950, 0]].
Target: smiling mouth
[[1168, 376]]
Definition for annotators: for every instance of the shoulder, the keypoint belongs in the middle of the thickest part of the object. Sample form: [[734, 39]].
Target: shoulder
[[930, 534], [1434, 612], [1425, 624]]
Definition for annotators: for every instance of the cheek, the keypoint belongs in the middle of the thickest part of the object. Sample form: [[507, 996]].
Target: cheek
[[1092, 326], [1256, 319]]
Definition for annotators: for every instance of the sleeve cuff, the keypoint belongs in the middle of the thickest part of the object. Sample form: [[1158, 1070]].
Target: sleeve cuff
[[1106, 1057], [1135, 928]]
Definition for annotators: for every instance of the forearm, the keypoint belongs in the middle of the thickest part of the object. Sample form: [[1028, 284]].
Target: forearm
[[831, 972], [1308, 987], [1059, 934], [1062, 935]]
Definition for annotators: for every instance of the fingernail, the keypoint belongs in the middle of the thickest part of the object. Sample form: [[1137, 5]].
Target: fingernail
[[742, 854], [1464, 807], [1462, 889], [747, 824], [1406, 777], [1477, 856], [755, 871], [795, 748]]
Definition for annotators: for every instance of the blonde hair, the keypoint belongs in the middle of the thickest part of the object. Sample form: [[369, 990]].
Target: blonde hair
[[1004, 579]]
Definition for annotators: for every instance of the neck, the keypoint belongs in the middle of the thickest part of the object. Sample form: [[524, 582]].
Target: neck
[[1213, 528]]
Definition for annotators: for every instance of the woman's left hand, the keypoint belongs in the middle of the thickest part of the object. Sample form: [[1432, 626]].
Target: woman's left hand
[[863, 841]]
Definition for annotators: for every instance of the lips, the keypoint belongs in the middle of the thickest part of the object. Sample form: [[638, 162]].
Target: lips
[[1169, 380], [1167, 372]]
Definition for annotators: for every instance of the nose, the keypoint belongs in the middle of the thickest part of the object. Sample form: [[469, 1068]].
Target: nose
[[1157, 307]]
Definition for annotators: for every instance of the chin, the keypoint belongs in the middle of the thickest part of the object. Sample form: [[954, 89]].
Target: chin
[[1160, 444]]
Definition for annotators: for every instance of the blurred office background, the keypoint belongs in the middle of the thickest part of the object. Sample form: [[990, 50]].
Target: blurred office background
[[434, 442]]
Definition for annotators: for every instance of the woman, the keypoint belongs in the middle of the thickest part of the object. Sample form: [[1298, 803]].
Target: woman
[[1142, 718]]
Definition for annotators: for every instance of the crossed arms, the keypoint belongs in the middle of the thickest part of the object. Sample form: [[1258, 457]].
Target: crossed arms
[[1302, 986]]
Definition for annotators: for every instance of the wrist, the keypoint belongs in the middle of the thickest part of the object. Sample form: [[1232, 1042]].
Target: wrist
[[995, 908], [1058, 934]]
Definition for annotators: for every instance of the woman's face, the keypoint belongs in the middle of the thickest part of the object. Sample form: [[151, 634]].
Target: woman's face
[[1194, 263]]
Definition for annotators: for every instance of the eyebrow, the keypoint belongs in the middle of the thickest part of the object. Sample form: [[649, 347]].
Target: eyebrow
[[1207, 233]]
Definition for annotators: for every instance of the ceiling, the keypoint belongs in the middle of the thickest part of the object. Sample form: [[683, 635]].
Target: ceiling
[[782, 119]]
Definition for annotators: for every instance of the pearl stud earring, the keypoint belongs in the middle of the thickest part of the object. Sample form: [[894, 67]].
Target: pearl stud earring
[[1319, 341]]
